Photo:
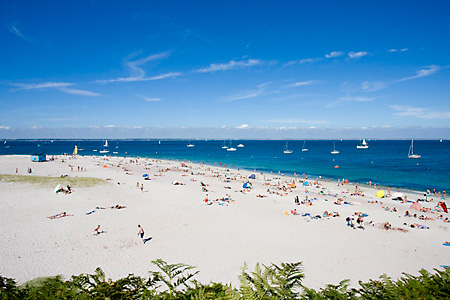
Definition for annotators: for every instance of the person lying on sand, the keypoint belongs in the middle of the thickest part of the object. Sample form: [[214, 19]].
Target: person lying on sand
[[387, 226], [118, 206], [97, 231], [60, 215]]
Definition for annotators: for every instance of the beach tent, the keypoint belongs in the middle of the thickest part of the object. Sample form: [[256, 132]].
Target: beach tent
[[253, 176], [380, 194], [38, 157], [416, 206], [246, 185], [175, 182]]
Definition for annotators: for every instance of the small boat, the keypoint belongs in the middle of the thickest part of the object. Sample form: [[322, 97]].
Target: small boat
[[363, 145], [303, 148], [224, 146], [104, 149], [190, 145], [286, 150], [230, 148], [411, 151], [334, 150], [240, 146], [115, 152]]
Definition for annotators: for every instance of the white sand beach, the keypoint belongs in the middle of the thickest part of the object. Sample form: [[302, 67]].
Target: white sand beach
[[216, 238]]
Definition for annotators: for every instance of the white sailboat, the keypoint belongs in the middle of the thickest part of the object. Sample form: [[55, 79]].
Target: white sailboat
[[411, 151], [334, 149], [190, 145], [286, 150], [104, 148], [224, 146], [230, 148], [240, 146], [363, 145], [303, 148]]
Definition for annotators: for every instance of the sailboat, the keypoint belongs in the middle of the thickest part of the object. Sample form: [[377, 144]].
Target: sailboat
[[411, 151], [303, 148], [286, 150], [334, 149], [75, 151], [190, 145], [363, 145], [231, 147], [224, 146], [6, 146], [241, 146], [104, 149]]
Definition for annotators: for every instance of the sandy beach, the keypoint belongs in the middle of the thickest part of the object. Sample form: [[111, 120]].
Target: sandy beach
[[217, 237]]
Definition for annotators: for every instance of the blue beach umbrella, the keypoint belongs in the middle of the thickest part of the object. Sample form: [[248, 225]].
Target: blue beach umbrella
[[252, 176], [246, 185], [145, 175]]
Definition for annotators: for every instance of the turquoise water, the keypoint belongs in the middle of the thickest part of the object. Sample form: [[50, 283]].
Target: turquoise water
[[386, 162]]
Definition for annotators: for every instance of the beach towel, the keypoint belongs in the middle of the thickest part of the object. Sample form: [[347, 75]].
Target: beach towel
[[444, 206], [446, 244]]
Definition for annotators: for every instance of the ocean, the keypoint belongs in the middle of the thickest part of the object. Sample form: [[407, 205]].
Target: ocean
[[385, 162]]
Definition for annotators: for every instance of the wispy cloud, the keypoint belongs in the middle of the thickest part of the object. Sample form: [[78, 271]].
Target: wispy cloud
[[372, 86], [150, 99], [13, 28], [40, 86], [244, 95], [302, 61], [231, 65], [60, 86], [137, 73], [303, 83], [79, 92], [349, 98], [423, 72], [398, 50], [334, 54], [419, 112], [357, 55]]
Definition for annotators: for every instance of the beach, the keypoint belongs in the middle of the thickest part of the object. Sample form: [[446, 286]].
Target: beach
[[217, 237]]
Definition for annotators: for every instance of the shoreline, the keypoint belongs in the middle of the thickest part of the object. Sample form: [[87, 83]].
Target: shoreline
[[216, 238]]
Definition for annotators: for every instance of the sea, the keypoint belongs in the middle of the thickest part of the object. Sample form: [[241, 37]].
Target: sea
[[385, 162]]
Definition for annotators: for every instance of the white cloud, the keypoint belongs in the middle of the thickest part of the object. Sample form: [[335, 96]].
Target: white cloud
[[79, 92], [419, 112], [231, 65], [303, 83], [358, 54], [149, 99], [243, 126], [423, 72], [372, 86], [5, 128], [43, 85], [404, 49], [246, 95], [334, 54], [297, 121], [137, 72], [392, 50]]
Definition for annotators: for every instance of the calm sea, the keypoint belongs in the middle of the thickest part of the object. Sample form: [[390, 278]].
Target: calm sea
[[386, 162]]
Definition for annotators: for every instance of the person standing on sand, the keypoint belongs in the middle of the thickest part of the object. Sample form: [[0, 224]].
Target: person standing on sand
[[141, 233]]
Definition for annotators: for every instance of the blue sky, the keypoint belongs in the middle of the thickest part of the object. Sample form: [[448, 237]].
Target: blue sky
[[225, 69]]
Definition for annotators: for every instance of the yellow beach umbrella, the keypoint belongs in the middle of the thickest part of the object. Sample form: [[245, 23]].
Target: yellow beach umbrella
[[380, 194]]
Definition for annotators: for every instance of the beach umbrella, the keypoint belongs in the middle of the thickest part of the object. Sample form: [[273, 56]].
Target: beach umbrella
[[252, 176], [380, 194], [305, 183], [416, 206], [175, 182], [57, 188], [145, 175], [246, 185], [398, 195]]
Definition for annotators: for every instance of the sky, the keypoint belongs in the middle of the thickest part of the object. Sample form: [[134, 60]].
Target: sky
[[225, 69]]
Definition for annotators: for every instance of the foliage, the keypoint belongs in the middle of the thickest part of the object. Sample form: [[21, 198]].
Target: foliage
[[175, 281], [52, 181]]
